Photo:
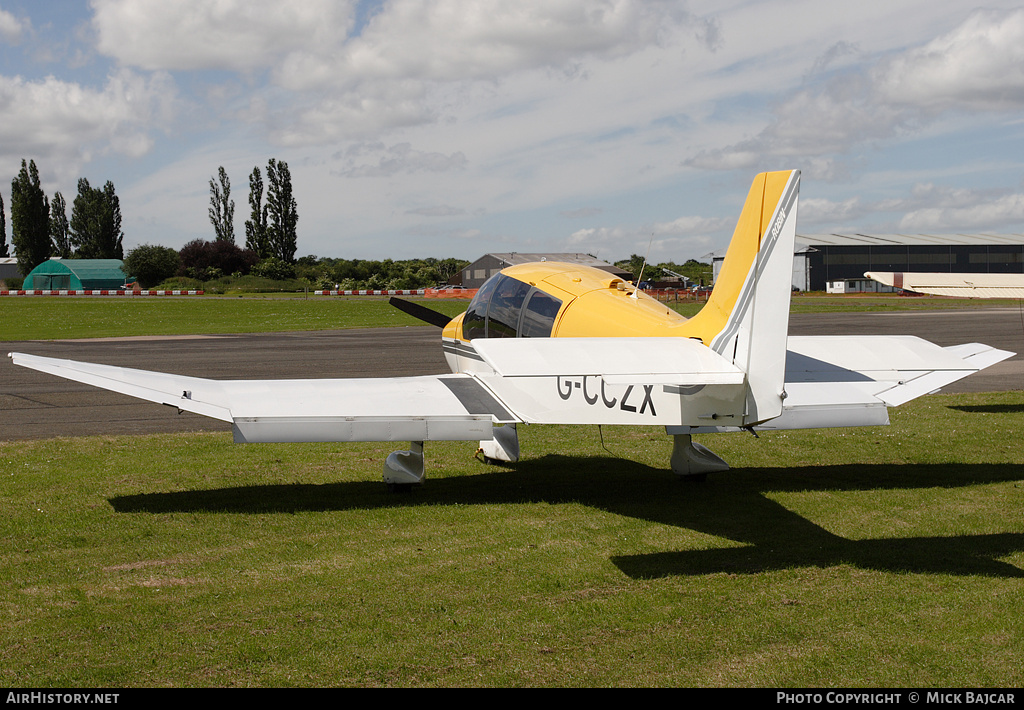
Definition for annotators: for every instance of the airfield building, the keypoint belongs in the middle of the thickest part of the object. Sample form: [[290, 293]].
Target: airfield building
[[474, 275], [837, 262], [9, 268]]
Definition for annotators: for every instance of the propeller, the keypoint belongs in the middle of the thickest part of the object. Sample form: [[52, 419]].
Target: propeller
[[423, 313]]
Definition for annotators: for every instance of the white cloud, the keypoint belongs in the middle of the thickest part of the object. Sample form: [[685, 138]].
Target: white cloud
[[11, 28], [823, 211], [691, 226], [979, 66], [982, 216], [311, 45], [399, 158], [240, 35], [456, 40], [64, 125], [682, 238], [329, 80], [437, 211]]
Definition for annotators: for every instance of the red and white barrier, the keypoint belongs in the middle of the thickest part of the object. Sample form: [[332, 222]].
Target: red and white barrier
[[427, 292], [403, 292], [102, 292]]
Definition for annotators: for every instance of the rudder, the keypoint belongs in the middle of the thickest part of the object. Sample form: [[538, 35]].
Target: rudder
[[746, 319]]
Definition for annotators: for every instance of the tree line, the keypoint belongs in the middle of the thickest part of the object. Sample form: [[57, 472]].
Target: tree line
[[271, 236], [40, 227]]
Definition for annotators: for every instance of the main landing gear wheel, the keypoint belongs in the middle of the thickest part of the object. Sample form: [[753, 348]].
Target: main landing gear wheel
[[503, 447], [405, 469]]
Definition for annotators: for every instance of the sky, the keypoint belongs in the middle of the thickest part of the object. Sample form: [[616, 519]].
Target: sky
[[454, 128]]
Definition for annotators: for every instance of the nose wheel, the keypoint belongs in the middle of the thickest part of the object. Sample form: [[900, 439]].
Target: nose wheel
[[692, 461]]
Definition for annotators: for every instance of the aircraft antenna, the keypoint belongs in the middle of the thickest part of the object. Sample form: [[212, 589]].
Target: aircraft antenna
[[642, 267]]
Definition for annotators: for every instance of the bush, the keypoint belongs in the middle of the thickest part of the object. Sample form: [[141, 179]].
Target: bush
[[274, 268], [205, 260], [150, 264]]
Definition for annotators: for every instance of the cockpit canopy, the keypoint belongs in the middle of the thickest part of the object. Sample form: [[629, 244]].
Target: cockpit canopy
[[505, 307]]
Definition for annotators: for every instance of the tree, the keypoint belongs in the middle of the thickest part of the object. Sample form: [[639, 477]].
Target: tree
[[60, 229], [634, 264], [209, 260], [96, 222], [222, 207], [282, 212], [150, 264], [4, 249], [30, 219], [274, 268], [256, 226]]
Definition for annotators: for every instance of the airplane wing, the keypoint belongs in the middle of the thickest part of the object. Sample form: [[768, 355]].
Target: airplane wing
[[961, 285], [660, 381], [425, 408], [671, 382]]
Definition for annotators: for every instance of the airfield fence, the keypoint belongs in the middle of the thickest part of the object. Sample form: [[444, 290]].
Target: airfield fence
[[425, 292], [99, 292], [678, 295]]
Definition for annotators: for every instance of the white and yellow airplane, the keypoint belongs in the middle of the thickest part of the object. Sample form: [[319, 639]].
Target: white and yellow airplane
[[554, 343], [958, 285]]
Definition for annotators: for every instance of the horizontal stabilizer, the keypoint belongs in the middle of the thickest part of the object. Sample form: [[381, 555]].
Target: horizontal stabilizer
[[836, 381]]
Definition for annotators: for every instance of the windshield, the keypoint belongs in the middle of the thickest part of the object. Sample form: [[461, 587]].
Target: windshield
[[505, 307]]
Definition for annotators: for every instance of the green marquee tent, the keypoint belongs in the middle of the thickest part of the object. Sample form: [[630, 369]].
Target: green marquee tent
[[75, 275]]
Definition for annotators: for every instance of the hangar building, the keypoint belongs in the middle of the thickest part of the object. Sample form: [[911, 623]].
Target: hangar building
[[474, 275], [75, 275], [9, 268], [838, 261]]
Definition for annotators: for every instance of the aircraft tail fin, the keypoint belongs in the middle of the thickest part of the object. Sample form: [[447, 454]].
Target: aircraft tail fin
[[746, 318]]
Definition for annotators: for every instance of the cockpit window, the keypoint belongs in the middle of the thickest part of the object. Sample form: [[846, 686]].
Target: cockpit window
[[506, 307], [474, 323], [539, 315], [497, 311]]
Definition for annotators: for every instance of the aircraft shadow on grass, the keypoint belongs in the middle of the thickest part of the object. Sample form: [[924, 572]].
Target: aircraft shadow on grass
[[989, 408], [733, 505]]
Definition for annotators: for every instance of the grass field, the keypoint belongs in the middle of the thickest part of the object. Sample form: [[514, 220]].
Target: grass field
[[49, 318], [883, 557], [879, 557]]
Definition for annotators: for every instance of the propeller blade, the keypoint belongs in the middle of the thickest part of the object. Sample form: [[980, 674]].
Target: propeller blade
[[423, 313]]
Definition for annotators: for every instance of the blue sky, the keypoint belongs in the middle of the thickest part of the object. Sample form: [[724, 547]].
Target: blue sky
[[456, 128]]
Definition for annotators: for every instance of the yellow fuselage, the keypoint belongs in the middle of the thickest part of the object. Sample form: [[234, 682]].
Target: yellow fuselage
[[594, 304]]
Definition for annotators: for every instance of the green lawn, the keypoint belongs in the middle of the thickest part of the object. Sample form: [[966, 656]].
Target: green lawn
[[876, 557], [57, 317], [48, 318], [879, 557]]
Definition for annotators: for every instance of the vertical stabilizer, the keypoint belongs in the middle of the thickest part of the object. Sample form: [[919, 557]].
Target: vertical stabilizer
[[746, 319]]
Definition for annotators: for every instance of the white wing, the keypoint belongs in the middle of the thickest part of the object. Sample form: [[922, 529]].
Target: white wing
[[671, 382], [444, 407]]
